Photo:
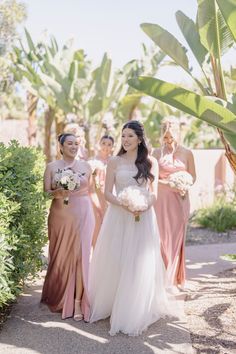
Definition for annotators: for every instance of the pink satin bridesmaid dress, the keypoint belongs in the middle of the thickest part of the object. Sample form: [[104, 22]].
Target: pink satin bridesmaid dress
[[70, 232], [172, 213]]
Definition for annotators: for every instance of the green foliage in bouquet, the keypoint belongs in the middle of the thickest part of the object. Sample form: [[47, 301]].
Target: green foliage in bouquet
[[221, 216], [23, 227]]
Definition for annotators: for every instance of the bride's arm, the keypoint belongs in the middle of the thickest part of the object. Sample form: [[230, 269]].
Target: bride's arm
[[110, 180]]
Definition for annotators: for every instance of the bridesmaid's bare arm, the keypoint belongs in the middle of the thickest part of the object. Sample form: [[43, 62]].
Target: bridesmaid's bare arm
[[191, 165], [93, 194], [154, 184]]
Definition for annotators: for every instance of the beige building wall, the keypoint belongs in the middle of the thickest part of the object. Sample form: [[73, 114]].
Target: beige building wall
[[213, 171]]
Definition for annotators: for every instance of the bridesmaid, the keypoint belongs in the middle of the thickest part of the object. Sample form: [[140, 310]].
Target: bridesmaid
[[172, 210], [70, 232], [106, 145], [78, 131]]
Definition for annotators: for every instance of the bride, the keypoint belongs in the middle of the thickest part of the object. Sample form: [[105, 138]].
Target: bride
[[127, 272]]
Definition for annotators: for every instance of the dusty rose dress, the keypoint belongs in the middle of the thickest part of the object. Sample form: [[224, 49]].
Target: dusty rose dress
[[172, 216], [100, 178], [70, 232]]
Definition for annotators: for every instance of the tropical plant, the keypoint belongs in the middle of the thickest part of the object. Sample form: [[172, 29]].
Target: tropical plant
[[65, 80], [12, 14], [210, 37], [54, 75]]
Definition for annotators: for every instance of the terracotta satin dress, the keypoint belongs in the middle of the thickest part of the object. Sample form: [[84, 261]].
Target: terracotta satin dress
[[172, 216], [70, 232]]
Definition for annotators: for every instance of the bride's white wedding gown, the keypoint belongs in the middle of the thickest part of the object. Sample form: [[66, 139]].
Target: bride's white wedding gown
[[127, 272]]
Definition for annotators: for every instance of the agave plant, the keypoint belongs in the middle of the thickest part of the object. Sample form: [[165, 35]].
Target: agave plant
[[209, 38]]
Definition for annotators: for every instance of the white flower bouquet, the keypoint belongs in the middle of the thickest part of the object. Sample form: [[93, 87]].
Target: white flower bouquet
[[181, 180], [135, 199], [67, 179]]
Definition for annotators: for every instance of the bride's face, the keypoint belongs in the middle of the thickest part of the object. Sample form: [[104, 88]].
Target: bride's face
[[129, 139]]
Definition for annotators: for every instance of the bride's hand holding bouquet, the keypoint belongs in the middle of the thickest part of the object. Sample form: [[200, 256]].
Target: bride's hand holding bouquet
[[135, 200]]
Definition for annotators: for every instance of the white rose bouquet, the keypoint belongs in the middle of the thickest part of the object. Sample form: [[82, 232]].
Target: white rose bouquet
[[135, 199], [67, 179], [181, 180]]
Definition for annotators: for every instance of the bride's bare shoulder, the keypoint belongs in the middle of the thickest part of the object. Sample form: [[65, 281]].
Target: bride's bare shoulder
[[113, 161]]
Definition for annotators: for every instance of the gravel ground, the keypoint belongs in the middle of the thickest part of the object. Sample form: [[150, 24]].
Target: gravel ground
[[211, 307], [200, 236], [4, 313], [211, 314]]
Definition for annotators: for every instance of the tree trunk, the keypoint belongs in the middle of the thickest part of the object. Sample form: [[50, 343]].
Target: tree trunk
[[60, 126], [231, 156], [48, 120], [32, 101]]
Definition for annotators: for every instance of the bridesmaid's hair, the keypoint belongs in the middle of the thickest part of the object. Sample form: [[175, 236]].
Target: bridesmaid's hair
[[142, 161], [106, 136], [172, 125], [62, 138]]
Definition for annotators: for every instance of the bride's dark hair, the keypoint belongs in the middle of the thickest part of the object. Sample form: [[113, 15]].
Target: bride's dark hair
[[142, 161]]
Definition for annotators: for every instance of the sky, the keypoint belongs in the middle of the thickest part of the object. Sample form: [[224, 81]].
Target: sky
[[100, 26]]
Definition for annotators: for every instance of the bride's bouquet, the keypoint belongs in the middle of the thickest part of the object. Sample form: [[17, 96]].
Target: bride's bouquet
[[181, 180], [134, 198], [67, 179]]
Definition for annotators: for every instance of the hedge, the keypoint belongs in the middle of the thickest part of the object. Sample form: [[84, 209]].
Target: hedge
[[23, 217]]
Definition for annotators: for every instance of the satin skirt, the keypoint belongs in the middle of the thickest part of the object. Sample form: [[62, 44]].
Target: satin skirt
[[70, 232], [172, 213]]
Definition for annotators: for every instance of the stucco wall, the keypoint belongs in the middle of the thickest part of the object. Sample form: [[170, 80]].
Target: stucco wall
[[213, 170]]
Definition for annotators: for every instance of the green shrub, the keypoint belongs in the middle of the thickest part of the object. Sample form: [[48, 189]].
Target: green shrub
[[21, 175], [7, 210], [221, 216]]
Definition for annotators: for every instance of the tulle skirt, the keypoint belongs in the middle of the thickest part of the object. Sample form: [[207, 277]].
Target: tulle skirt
[[127, 274]]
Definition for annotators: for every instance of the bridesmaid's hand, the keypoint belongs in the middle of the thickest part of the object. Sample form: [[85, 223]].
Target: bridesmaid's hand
[[163, 181], [61, 193]]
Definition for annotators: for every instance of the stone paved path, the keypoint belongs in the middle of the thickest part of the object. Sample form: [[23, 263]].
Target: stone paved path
[[31, 328]]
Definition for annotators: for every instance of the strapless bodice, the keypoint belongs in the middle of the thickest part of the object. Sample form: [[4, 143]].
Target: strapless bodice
[[124, 177], [169, 164]]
